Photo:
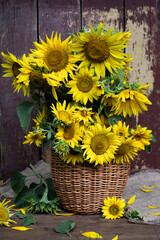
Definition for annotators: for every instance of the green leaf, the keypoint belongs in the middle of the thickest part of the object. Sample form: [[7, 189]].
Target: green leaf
[[100, 108], [114, 119], [153, 138], [65, 227], [17, 181], [77, 149], [148, 148], [121, 74], [20, 215], [25, 197], [24, 110], [51, 192], [29, 220]]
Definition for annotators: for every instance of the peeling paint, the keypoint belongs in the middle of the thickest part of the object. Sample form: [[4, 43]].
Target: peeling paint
[[110, 18], [139, 45]]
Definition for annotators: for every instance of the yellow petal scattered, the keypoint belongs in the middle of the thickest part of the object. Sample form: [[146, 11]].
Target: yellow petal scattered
[[91, 235], [64, 214], [115, 238], [152, 206], [131, 200], [22, 228], [146, 190], [157, 214], [150, 187], [20, 210]]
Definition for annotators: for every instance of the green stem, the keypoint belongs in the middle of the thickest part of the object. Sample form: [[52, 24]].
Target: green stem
[[44, 197]]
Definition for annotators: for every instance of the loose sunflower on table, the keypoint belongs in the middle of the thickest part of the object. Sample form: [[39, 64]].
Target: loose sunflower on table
[[82, 95]]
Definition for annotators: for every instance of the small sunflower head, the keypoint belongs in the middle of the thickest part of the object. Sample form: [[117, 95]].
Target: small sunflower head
[[61, 147]]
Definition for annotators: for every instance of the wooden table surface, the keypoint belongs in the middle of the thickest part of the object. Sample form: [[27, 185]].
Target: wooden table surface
[[44, 228]]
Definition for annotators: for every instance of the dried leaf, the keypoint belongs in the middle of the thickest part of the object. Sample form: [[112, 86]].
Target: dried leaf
[[91, 235]]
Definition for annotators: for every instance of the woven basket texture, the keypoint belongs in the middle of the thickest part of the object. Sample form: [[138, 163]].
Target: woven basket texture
[[82, 188]]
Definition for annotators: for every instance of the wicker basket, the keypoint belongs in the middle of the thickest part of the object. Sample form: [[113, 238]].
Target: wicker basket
[[82, 188]]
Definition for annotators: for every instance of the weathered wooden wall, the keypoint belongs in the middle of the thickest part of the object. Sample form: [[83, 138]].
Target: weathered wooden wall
[[22, 21]]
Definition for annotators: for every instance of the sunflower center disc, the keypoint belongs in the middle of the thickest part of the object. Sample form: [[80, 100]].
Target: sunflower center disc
[[64, 116], [124, 148], [36, 79], [68, 133], [15, 69], [4, 215], [56, 60], [84, 113], [99, 144], [137, 137], [114, 209], [121, 134], [97, 50], [85, 84]]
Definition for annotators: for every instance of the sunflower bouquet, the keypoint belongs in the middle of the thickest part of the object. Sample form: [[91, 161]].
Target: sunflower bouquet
[[82, 97]]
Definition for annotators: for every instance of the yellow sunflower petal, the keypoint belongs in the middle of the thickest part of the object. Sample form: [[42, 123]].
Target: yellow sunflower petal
[[150, 187], [146, 190], [22, 210], [152, 206], [64, 214], [115, 238], [131, 200], [22, 228], [91, 235], [156, 214]]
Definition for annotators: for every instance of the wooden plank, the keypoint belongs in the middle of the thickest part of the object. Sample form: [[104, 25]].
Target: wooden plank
[[110, 12], [18, 30], [44, 229], [62, 16], [142, 18]]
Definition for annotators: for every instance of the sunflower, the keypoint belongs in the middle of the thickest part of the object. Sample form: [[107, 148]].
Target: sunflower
[[30, 72], [61, 147], [5, 213], [109, 101], [101, 119], [57, 55], [99, 51], [13, 70], [73, 157], [63, 112], [113, 208], [83, 115], [19, 86], [84, 86], [124, 36], [130, 102], [127, 150], [34, 137], [71, 134], [99, 144], [142, 136], [125, 67], [13, 65], [121, 130], [40, 116]]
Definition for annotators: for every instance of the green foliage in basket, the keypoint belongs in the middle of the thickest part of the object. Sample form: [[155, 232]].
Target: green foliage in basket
[[81, 93]]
